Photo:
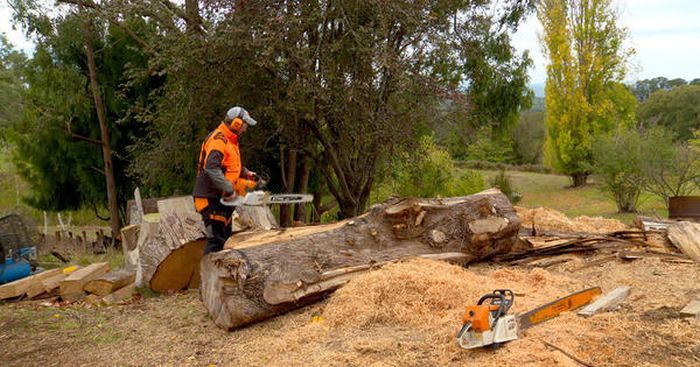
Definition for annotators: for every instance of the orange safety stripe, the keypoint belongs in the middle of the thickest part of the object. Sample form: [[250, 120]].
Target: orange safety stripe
[[200, 204], [220, 218]]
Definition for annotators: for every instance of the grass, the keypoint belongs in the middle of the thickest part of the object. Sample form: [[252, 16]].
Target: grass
[[555, 191]]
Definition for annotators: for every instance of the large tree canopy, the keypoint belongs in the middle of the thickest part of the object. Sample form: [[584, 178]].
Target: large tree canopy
[[677, 109], [336, 85]]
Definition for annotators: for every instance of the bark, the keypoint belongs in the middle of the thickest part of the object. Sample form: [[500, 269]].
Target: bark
[[114, 221], [300, 209], [269, 274], [285, 210], [579, 179]]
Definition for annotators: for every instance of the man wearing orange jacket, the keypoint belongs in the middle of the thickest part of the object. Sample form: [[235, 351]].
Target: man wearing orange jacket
[[220, 174]]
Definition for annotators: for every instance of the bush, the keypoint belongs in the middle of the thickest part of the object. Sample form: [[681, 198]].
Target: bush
[[426, 172], [491, 166], [617, 162], [502, 182]]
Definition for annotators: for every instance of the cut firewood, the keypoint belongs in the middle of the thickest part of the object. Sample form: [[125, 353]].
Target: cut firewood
[[289, 269], [72, 285], [110, 282], [686, 237], [130, 238], [169, 247], [29, 284], [120, 295]]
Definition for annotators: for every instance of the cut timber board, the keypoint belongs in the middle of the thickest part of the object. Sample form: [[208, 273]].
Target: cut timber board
[[51, 285], [608, 301], [119, 295], [110, 282], [36, 287], [20, 286], [686, 236], [72, 286], [692, 309]]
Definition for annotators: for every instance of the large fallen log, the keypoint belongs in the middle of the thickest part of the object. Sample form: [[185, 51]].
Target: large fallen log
[[284, 270]]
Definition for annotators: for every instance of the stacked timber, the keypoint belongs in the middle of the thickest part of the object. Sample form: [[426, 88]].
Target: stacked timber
[[269, 273]]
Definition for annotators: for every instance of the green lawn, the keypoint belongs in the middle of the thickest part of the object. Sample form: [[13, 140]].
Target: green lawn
[[554, 191]]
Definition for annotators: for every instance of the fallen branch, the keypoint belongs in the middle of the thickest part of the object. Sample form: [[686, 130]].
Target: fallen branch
[[573, 357]]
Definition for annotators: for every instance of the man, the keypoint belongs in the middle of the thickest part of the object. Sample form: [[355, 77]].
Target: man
[[221, 175]]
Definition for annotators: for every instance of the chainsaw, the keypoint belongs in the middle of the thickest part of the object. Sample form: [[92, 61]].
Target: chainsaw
[[260, 198], [488, 322]]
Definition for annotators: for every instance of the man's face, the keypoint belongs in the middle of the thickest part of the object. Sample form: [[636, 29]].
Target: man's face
[[244, 127]]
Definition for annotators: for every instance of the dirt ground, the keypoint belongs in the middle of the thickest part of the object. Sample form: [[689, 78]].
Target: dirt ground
[[405, 314]]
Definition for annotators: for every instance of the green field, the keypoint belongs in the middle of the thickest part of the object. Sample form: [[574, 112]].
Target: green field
[[555, 191]]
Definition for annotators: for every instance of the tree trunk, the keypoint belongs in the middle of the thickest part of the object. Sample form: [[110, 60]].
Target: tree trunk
[[300, 209], [579, 179], [291, 173], [114, 221], [299, 266]]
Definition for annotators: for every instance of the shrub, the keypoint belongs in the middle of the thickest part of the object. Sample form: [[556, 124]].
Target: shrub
[[617, 162], [426, 172], [502, 182]]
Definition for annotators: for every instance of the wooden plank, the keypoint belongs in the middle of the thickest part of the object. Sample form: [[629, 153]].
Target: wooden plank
[[609, 301], [20, 286], [36, 287], [110, 282], [686, 236], [692, 309], [120, 295], [72, 286], [51, 285]]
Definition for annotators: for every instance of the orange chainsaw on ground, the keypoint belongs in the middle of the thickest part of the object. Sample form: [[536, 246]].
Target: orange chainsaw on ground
[[488, 322]]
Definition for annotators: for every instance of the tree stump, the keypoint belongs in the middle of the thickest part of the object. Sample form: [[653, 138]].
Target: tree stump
[[269, 274]]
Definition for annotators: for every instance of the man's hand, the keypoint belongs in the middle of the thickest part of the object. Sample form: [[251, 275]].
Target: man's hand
[[250, 175], [230, 197]]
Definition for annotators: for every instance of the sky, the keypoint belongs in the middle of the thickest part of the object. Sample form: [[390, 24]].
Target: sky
[[664, 33]]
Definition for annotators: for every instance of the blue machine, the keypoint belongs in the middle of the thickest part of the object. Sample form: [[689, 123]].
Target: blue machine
[[13, 269], [17, 251]]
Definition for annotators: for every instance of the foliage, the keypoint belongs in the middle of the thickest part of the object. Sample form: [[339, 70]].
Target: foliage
[[528, 137], [583, 96], [642, 89], [345, 83], [11, 87], [502, 182], [486, 165], [677, 109], [427, 172], [669, 169], [55, 136], [487, 146], [618, 161]]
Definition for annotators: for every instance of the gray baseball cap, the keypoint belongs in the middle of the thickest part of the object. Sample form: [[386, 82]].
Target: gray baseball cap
[[240, 112]]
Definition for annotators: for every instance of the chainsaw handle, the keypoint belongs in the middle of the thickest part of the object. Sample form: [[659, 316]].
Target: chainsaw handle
[[503, 297]]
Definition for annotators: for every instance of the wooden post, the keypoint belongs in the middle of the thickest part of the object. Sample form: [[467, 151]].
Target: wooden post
[[58, 236]]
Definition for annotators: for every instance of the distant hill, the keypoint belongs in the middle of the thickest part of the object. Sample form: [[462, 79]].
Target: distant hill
[[538, 88], [537, 104]]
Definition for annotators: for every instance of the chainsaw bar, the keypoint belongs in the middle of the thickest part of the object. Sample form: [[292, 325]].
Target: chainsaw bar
[[555, 308], [260, 198]]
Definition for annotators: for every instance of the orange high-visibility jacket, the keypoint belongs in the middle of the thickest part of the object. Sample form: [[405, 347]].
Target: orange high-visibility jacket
[[219, 169]]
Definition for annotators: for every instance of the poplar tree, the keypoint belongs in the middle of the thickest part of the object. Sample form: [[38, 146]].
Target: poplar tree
[[584, 96]]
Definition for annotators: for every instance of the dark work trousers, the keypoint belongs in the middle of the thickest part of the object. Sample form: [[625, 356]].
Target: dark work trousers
[[217, 220]]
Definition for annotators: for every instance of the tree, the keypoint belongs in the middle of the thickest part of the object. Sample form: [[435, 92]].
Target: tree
[[528, 137], [11, 86], [677, 109], [58, 138], [583, 96], [617, 161], [339, 86], [670, 169], [642, 89]]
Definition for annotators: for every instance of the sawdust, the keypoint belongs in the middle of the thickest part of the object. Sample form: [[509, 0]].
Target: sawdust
[[405, 314], [550, 220]]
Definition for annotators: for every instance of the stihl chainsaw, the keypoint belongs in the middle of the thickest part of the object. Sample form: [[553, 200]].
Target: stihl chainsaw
[[260, 198], [488, 322]]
